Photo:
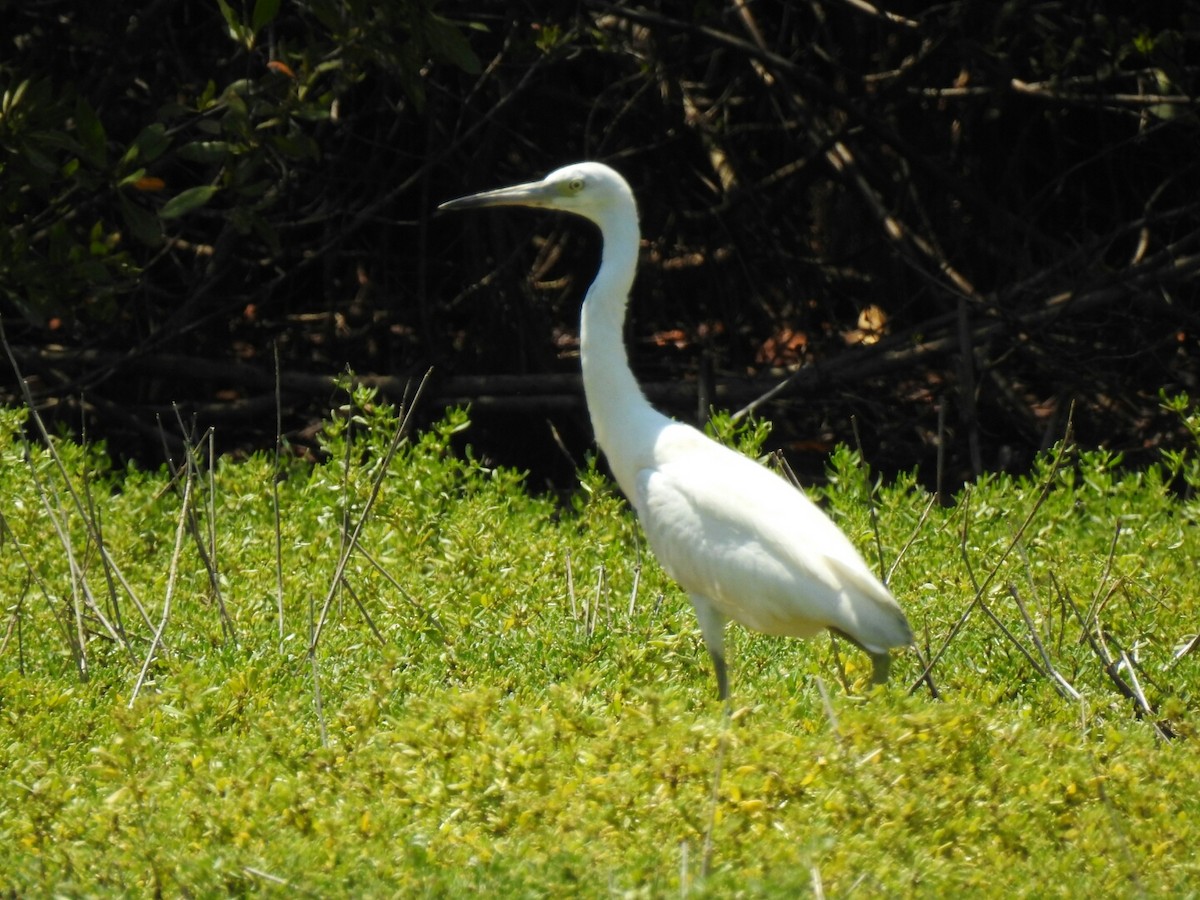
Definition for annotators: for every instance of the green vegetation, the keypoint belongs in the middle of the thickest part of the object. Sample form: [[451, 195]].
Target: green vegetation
[[502, 693]]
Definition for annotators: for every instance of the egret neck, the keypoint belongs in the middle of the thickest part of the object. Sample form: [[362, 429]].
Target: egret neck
[[619, 410]]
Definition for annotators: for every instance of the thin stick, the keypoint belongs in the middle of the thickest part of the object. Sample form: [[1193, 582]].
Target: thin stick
[[1138, 693], [968, 411], [14, 621], [77, 641], [637, 576], [1094, 607], [114, 603], [1060, 683], [870, 497], [215, 575], [206, 559], [608, 610], [818, 887], [715, 797], [571, 592], [601, 573], [429, 616], [1095, 637], [266, 876], [922, 659], [941, 453], [912, 537], [348, 545], [828, 706], [1041, 498], [172, 572], [894, 18], [366, 615], [344, 531], [276, 474], [316, 674], [1012, 638], [89, 522], [654, 613], [30, 572]]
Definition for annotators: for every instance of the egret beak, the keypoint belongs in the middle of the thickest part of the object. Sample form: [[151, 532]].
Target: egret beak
[[534, 193]]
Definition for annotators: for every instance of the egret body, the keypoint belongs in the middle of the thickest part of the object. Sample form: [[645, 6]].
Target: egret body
[[744, 543]]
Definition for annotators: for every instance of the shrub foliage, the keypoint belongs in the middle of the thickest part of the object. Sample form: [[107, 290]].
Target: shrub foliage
[[961, 218]]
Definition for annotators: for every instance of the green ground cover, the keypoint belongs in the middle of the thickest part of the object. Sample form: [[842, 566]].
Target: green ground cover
[[488, 690]]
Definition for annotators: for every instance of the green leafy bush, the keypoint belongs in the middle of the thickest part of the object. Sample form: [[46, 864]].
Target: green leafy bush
[[498, 693]]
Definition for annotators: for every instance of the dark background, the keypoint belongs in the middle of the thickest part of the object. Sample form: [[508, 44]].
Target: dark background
[[945, 224]]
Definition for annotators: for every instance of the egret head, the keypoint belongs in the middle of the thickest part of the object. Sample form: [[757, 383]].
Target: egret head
[[588, 189]]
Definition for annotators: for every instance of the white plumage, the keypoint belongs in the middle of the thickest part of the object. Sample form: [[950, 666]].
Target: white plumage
[[741, 541]]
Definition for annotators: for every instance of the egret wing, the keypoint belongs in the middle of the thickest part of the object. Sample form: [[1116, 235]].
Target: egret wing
[[731, 530]]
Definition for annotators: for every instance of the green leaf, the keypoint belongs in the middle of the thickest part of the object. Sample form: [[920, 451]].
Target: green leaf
[[143, 225], [37, 159], [150, 144], [131, 177], [231, 20], [205, 99], [90, 131], [264, 13], [447, 42], [228, 15], [296, 146], [206, 152], [13, 98], [186, 201], [238, 30]]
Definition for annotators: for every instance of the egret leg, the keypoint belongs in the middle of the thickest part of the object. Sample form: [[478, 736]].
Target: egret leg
[[881, 663], [712, 627], [722, 675]]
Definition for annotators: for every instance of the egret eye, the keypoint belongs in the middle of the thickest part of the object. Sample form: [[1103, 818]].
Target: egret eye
[[575, 185]]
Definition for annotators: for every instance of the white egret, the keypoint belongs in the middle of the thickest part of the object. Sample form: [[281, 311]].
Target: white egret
[[741, 541]]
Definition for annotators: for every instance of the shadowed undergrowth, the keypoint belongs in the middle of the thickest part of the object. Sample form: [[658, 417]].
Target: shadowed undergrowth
[[486, 690]]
